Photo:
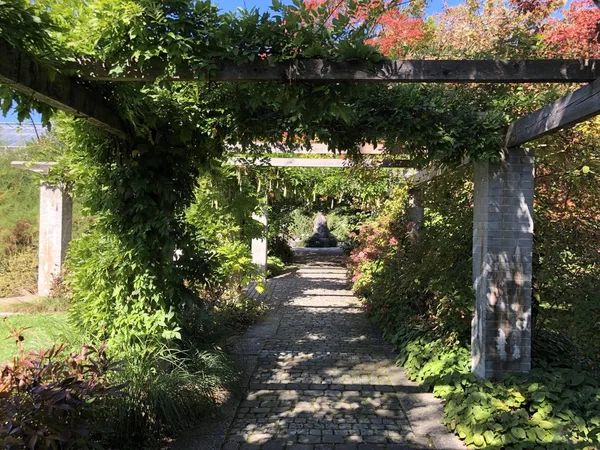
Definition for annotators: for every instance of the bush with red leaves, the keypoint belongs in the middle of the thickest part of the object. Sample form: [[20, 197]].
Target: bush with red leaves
[[49, 399]]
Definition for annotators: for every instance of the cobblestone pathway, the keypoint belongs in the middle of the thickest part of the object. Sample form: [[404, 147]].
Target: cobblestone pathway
[[325, 379]]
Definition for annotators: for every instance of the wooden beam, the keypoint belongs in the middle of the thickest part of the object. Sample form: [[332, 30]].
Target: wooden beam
[[317, 162], [426, 175], [316, 148], [568, 110], [387, 71], [37, 167], [23, 74]]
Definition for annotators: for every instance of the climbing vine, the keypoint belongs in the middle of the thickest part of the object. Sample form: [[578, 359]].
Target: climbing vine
[[127, 287]]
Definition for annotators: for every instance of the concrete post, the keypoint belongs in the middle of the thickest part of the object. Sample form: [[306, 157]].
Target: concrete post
[[416, 211], [502, 265], [259, 245], [56, 224]]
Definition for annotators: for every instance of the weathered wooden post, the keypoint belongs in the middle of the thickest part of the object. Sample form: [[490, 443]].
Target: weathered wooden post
[[502, 264], [259, 245]]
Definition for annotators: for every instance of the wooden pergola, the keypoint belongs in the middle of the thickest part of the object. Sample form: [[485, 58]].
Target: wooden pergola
[[503, 209]]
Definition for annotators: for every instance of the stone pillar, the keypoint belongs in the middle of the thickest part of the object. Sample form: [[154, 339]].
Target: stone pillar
[[502, 265], [259, 245], [56, 223], [416, 211]]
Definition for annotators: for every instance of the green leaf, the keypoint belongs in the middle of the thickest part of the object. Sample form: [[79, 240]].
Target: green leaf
[[489, 436], [538, 396], [518, 432], [478, 440], [577, 379]]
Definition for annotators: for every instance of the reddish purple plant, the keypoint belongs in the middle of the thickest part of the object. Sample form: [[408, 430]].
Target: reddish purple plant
[[49, 399]]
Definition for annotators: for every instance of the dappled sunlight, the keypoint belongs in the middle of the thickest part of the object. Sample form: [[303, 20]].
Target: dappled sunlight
[[326, 377]]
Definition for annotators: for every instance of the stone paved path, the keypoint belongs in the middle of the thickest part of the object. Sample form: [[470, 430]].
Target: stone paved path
[[324, 378]]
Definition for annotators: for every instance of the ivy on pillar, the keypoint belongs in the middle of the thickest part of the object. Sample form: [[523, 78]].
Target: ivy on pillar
[[56, 224], [259, 245], [502, 264]]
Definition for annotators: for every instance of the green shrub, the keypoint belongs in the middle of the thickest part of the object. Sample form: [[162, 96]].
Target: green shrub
[[52, 399], [280, 248], [275, 266], [18, 272], [554, 406], [340, 225], [120, 294], [416, 283]]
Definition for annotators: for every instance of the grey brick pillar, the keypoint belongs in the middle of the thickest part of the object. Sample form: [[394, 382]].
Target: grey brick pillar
[[502, 265], [259, 245], [56, 224]]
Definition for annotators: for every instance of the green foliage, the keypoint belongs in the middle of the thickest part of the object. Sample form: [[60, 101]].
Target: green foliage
[[126, 284], [279, 248], [234, 270], [424, 276], [49, 399], [166, 392], [117, 294], [19, 204], [416, 285], [431, 123], [275, 266], [26, 26], [43, 331], [340, 225], [554, 407], [567, 236], [19, 216], [18, 273]]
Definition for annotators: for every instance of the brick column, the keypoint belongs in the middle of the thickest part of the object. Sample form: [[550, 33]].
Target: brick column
[[56, 224], [259, 245], [502, 265]]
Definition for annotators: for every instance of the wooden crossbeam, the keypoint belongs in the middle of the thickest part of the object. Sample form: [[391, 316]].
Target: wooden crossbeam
[[388, 71], [317, 162], [21, 73], [316, 148], [426, 175], [568, 110], [37, 167]]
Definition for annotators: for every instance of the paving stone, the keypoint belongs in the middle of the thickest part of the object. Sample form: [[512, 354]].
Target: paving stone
[[324, 378]]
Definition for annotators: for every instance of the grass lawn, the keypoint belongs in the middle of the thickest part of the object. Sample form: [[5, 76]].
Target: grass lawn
[[44, 330]]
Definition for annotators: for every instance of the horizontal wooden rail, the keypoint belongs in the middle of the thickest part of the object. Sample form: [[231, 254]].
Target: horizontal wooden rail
[[316, 148], [23, 74], [568, 110], [317, 162], [388, 71], [38, 167]]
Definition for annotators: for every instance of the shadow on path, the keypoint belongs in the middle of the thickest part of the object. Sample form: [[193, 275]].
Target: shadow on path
[[322, 377]]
